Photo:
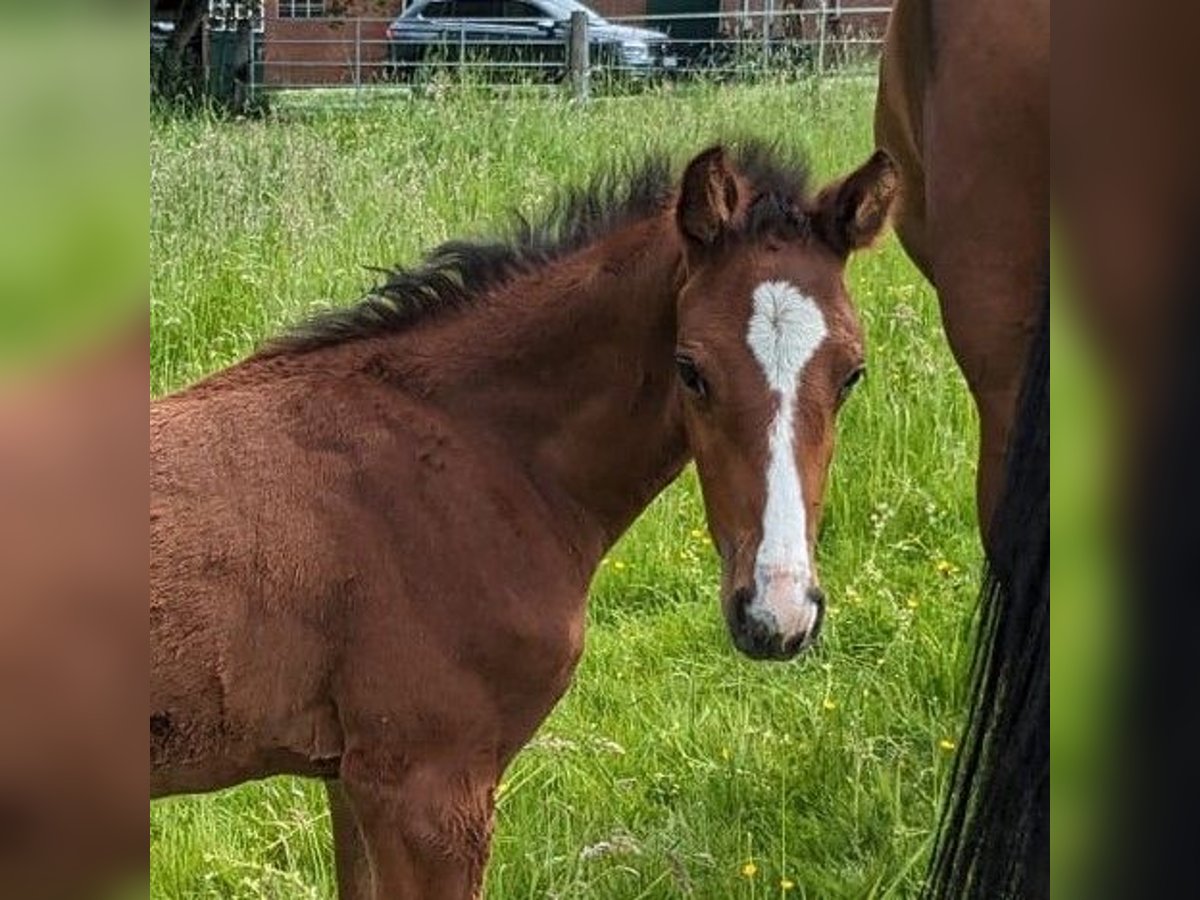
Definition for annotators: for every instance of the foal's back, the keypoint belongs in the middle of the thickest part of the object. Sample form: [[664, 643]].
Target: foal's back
[[330, 555]]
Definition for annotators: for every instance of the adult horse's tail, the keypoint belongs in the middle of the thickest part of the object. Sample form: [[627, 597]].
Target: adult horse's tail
[[994, 836]]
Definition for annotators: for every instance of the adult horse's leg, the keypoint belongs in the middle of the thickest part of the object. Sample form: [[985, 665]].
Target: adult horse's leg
[[964, 106], [987, 135], [426, 825], [354, 879], [992, 368]]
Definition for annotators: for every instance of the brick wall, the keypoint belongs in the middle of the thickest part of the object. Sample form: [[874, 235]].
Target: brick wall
[[323, 51], [620, 7], [638, 7]]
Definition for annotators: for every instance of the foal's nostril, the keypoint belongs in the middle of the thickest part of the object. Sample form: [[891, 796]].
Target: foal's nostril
[[817, 597], [792, 645]]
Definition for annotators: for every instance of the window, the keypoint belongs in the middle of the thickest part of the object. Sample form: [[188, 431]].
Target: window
[[482, 9], [518, 9], [231, 15], [301, 9], [477, 9]]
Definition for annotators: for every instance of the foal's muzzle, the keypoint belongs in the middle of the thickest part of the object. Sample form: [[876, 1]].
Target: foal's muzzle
[[757, 632]]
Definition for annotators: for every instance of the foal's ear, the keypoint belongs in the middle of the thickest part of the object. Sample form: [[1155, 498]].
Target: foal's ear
[[852, 212], [707, 199]]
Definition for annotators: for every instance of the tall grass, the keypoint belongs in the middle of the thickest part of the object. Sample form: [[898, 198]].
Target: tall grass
[[674, 767]]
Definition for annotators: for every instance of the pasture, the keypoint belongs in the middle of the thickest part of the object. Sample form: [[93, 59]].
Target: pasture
[[674, 767]]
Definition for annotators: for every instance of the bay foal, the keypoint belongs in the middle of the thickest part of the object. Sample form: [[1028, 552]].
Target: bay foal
[[372, 540]]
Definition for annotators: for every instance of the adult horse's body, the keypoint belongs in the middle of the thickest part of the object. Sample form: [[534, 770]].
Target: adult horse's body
[[963, 107], [372, 542]]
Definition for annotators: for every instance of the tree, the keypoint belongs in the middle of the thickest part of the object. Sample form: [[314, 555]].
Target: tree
[[178, 69]]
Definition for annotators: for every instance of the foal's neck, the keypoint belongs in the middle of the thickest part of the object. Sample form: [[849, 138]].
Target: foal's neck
[[572, 368]]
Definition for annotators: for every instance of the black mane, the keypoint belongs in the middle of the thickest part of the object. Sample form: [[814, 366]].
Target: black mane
[[456, 274]]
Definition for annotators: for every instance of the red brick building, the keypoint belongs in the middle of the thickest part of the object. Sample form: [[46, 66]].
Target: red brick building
[[310, 42], [317, 42]]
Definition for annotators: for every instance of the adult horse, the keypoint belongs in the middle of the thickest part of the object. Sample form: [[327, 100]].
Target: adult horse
[[964, 109], [963, 106], [372, 540]]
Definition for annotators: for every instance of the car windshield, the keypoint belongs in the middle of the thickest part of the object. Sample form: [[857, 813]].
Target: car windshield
[[558, 10], [566, 7]]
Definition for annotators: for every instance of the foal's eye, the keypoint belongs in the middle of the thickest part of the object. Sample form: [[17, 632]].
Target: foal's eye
[[690, 375], [851, 380]]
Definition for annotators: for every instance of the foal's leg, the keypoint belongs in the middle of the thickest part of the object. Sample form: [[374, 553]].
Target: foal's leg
[[426, 825], [354, 878]]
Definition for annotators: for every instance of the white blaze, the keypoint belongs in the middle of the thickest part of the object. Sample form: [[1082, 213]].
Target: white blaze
[[785, 330]]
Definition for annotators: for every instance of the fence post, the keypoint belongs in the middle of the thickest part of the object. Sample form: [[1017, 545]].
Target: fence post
[[766, 36], [577, 55], [821, 38], [250, 85], [357, 55]]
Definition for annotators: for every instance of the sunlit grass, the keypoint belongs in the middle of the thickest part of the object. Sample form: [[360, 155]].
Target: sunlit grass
[[674, 767]]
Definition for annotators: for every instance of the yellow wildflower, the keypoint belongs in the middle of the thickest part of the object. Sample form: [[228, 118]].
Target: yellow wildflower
[[829, 703], [749, 870], [618, 565], [912, 602], [945, 567], [697, 533], [786, 884], [947, 745]]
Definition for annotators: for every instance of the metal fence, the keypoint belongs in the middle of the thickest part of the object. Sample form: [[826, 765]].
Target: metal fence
[[365, 53]]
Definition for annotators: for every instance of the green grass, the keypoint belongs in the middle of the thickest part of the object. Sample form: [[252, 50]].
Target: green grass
[[673, 761]]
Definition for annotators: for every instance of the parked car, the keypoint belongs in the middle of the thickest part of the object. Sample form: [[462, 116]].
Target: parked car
[[518, 34]]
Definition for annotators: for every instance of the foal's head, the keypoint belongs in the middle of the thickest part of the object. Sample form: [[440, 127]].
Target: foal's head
[[768, 347]]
